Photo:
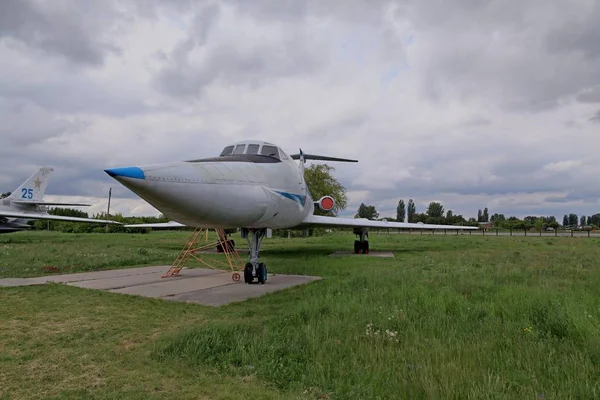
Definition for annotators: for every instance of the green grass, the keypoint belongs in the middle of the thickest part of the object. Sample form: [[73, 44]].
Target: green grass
[[447, 317]]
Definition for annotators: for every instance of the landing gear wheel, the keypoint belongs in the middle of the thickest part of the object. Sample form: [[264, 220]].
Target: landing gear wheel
[[248, 273], [356, 247], [365, 247], [261, 273]]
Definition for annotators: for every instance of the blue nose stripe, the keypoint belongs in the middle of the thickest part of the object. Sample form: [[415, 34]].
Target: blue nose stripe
[[126, 172]]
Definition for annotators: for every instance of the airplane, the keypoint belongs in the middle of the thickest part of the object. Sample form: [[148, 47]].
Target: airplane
[[252, 185], [26, 203]]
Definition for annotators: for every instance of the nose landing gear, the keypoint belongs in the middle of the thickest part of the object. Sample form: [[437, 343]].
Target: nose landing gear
[[254, 269]]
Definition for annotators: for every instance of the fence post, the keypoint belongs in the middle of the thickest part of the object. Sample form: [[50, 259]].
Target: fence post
[[470, 231], [571, 232], [540, 231], [589, 233], [496, 231], [510, 231], [556, 232]]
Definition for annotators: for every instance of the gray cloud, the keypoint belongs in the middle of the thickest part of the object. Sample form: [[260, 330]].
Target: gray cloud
[[511, 53], [581, 33], [596, 117], [191, 66], [591, 95], [71, 30]]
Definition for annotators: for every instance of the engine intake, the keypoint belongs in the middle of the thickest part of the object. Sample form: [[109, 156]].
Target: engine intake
[[325, 203]]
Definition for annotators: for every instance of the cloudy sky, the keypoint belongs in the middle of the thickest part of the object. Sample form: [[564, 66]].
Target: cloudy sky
[[473, 103]]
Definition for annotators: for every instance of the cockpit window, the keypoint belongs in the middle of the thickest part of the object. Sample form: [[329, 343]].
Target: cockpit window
[[270, 151], [227, 151], [252, 149], [283, 155], [239, 149]]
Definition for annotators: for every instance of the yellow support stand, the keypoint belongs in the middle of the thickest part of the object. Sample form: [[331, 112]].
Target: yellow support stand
[[191, 249]]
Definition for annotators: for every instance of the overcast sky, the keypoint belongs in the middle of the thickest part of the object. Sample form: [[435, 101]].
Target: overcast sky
[[472, 103]]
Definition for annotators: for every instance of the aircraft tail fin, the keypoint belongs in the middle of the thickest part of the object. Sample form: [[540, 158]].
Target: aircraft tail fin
[[34, 188]]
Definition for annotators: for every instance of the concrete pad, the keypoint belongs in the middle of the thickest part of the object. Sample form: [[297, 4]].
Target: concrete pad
[[344, 253], [226, 294], [176, 285], [194, 285], [137, 280], [12, 282], [63, 278]]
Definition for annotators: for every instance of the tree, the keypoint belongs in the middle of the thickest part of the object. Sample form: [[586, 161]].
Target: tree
[[595, 219], [401, 211], [486, 215], [573, 219], [479, 216], [368, 212], [449, 216], [321, 183], [498, 218], [3, 195], [582, 220], [412, 210], [589, 220], [435, 210], [566, 220]]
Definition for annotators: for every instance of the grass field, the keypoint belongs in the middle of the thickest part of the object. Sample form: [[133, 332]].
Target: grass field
[[447, 317]]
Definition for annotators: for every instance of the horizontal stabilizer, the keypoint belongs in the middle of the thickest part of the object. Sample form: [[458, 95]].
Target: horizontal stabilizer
[[320, 158], [50, 203]]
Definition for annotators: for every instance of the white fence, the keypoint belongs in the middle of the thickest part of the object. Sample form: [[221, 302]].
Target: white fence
[[491, 232]]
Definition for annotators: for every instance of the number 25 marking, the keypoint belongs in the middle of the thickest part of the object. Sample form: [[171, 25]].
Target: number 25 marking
[[27, 193]]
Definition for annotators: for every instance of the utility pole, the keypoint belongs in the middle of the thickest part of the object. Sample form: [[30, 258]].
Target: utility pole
[[108, 209], [109, 195]]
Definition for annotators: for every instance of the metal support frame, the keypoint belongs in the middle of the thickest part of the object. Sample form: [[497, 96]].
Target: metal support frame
[[192, 249]]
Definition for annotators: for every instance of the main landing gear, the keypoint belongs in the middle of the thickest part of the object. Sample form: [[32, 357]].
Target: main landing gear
[[361, 245], [254, 269]]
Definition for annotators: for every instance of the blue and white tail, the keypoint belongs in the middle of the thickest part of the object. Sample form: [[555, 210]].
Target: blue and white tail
[[34, 188]]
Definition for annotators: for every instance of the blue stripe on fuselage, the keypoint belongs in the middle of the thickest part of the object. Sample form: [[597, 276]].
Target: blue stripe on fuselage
[[298, 198]]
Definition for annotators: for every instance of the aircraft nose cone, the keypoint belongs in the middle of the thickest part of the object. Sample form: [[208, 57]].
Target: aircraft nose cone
[[126, 172]]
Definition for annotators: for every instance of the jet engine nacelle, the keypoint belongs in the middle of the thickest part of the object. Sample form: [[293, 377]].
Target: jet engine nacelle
[[325, 203]]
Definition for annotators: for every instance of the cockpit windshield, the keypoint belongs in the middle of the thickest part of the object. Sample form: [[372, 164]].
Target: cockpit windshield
[[270, 151], [227, 151], [254, 149]]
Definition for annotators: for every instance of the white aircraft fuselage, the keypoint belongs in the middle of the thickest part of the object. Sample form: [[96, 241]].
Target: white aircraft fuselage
[[232, 191], [252, 185]]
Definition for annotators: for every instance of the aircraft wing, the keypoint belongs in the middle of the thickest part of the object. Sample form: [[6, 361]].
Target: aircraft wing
[[49, 203], [25, 215], [170, 224], [318, 220]]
